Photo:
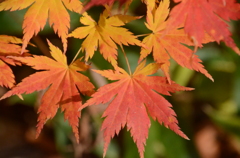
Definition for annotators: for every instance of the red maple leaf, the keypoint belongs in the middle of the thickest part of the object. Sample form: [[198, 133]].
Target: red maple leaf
[[200, 16], [226, 9], [132, 98], [63, 82]]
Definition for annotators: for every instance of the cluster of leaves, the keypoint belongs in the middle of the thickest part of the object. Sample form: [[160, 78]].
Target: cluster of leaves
[[132, 96]]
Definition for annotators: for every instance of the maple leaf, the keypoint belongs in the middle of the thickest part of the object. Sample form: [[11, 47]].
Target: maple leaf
[[8, 47], [226, 9], [200, 16], [131, 97], [63, 81], [38, 13], [104, 35], [163, 45]]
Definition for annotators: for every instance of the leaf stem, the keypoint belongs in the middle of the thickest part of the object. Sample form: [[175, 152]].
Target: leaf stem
[[125, 56], [143, 35], [76, 55]]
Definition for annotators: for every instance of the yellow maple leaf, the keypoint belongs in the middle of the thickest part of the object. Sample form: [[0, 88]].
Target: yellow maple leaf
[[105, 34]]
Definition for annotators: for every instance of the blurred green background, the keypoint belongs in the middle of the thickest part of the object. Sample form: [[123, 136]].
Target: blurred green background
[[209, 115]]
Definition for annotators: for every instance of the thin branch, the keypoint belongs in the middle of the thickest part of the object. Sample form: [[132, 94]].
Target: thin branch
[[41, 45]]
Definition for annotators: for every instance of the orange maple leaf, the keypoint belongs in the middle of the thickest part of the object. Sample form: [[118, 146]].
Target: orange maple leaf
[[131, 97], [200, 16], [163, 45], [104, 35], [8, 47], [38, 13], [64, 82]]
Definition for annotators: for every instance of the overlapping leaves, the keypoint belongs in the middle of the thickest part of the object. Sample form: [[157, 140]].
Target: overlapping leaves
[[63, 83], [134, 96], [8, 47], [163, 45], [200, 16]]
